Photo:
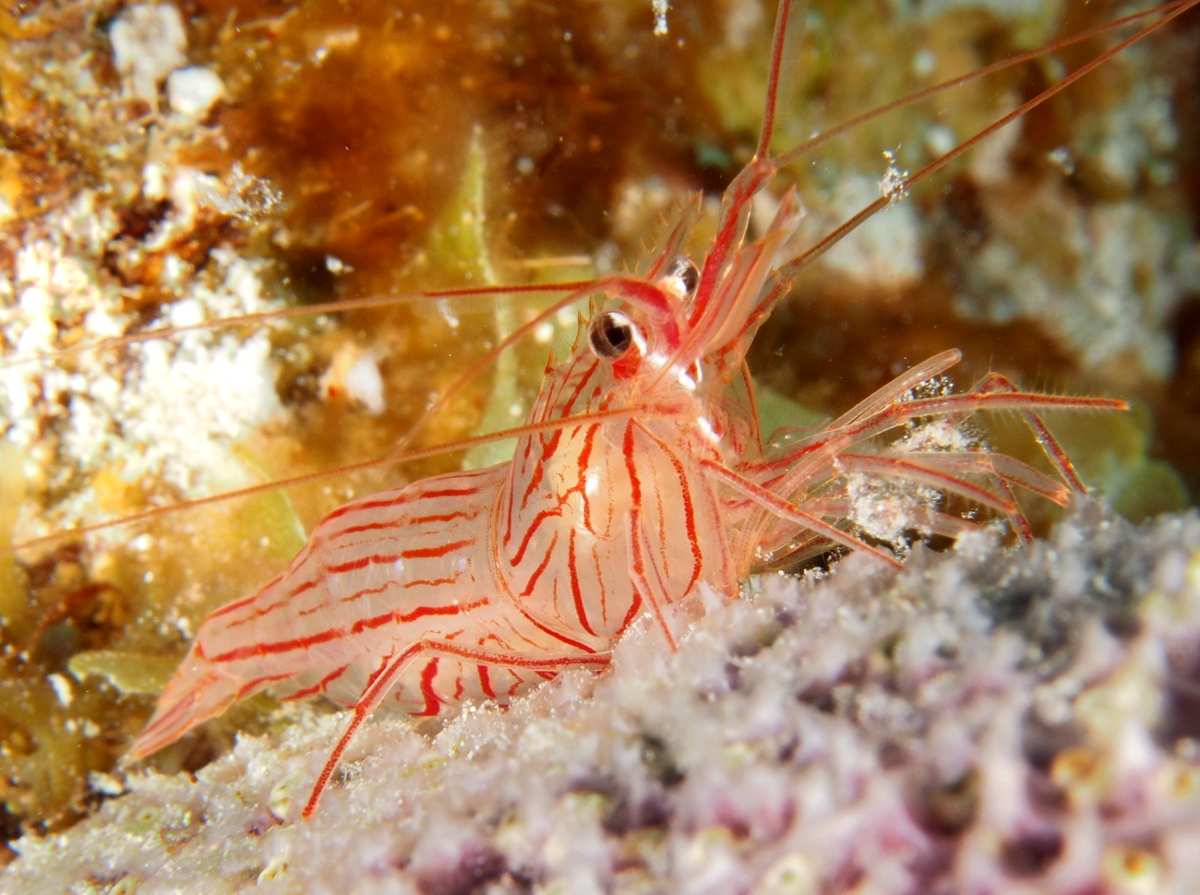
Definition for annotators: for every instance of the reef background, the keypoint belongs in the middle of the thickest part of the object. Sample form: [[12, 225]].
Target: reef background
[[180, 163]]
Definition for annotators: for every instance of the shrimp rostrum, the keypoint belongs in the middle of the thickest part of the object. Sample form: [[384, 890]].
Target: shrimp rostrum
[[639, 477]]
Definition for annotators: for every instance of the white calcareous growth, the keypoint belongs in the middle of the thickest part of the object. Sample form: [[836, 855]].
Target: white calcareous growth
[[984, 721], [192, 91], [148, 44]]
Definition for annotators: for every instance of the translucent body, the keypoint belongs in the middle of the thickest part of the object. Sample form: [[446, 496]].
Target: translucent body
[[640, 476]]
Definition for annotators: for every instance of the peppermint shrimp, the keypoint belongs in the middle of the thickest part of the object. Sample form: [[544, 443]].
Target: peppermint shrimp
[[639, 477]]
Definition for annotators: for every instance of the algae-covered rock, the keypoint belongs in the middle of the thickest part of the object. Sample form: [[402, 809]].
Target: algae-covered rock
[[983, 720]]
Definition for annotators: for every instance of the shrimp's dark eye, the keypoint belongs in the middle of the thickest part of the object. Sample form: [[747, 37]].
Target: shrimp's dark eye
[[611, 335], [686, 274]]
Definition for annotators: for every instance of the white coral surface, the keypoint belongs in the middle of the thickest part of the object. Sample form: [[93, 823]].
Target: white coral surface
[[984, 721]]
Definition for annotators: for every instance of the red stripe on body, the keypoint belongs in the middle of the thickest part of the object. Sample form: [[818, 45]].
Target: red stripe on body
[[319, 686], [485, 681], [580, 486], [545, 630], [341, 511], [541, 517], [454, 492], [378, 559], [404, 522], [244, 601], [405, 496], [284, 646], [551, 445], [689, 511], [635, 495], [428, 552], [258, 681], [432, 703], [443, 517], [632, 613], [379, 621], [576, 590], [537, 573], [420, 582]]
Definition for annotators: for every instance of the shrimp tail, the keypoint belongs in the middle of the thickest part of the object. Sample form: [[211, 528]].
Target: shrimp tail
[[196, 692]]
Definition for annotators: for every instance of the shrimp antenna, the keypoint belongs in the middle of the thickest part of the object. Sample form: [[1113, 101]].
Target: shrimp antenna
[[315, 310], [386, 460], [807, 146], [783, 50], [827, 242]]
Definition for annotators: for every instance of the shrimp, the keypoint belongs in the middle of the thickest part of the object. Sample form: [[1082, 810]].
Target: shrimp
[[640, 476]]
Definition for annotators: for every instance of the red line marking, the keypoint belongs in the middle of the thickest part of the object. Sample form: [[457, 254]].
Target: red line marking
[[432, 703], [509, 661], [537, 573], [458, 688], [379, 621], [580, 486], [402, 497], [265, 679], [547, 675], [535, 478], [259, 613], [689, 511], [378, 559], [549, 446], [634, 606], [373, 591], [284, 646], [424, 552], [485, 681], [541, 517], [567, 640], [238, 604], [443, 517], [314, 609], [576, 590], [383, 666], [373, 526], [319, 686], [453, 492], [403, 522], [635, 484], [600, 585]]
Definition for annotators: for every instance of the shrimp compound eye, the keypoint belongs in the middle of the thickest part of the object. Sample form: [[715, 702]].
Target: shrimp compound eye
[[611, 335], [682, 279]]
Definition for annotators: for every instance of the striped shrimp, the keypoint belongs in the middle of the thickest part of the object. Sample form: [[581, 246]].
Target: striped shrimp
[[640, 476]]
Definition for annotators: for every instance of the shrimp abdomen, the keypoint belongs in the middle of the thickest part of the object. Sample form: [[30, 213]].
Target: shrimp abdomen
[[380, 574]]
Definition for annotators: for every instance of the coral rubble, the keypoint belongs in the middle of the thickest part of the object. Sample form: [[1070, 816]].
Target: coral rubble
[[984, 720]]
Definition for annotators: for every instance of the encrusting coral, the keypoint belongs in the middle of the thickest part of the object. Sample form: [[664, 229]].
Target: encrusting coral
[[983, 721], [166, 163]]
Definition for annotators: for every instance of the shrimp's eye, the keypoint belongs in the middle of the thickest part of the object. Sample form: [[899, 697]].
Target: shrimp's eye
[[611, 335], [683, 277]]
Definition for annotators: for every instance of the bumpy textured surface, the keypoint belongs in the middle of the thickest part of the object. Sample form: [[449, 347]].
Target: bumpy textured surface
[[984, 721]]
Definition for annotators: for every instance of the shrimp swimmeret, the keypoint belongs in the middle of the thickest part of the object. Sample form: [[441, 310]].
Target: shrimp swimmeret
[[640, 476]]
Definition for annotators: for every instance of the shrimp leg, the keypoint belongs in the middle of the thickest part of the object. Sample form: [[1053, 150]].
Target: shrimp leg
[[777, 506], [390, 670]]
